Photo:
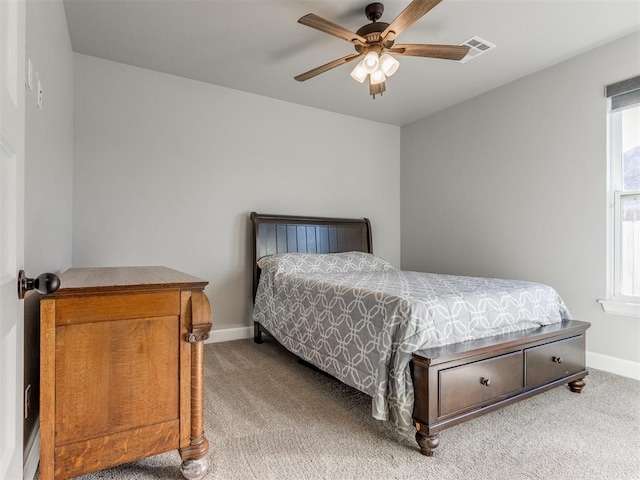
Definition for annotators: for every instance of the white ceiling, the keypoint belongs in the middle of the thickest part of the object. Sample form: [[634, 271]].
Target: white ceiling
[[257, 45]]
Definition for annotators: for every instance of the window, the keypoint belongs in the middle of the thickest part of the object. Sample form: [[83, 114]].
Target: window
[[624, 198]]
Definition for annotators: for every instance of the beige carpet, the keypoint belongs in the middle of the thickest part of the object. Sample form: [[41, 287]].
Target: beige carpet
[[269, 417]]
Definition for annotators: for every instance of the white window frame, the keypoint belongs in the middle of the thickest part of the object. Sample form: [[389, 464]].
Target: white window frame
[[616, 303]]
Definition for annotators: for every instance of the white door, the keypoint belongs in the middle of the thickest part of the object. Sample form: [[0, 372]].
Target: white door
[[12, 144]]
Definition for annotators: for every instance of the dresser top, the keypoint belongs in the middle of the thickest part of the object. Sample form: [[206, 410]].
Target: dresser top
[[113, 279]]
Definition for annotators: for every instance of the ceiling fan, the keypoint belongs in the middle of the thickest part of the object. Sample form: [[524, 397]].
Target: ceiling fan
[[374, 42]]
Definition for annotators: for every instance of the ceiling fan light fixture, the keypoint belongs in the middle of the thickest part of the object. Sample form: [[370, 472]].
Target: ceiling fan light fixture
[[388, 64], [370, 62], [374, 43], [377, 88], [377, 77], [359, 74]]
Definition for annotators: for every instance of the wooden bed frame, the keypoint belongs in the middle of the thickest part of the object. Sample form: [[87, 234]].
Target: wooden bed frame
[[453, 383]]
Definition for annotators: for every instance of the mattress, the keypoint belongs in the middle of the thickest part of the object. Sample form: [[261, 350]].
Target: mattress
[[356, 317]]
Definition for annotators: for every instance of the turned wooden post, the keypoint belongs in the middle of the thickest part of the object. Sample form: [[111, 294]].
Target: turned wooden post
[[194, 456]]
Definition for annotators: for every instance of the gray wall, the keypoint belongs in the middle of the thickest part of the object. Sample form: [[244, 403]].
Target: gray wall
[[48, 169], [513, 184], [167, 170]]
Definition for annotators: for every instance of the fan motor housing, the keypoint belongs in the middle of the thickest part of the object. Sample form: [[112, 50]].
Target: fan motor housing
[[372, 33], [375, 27]]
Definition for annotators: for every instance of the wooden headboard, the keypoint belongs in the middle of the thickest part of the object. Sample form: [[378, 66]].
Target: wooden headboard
[[286, 234]]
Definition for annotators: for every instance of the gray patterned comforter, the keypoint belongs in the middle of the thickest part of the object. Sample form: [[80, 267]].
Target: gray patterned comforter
[[358, 318]]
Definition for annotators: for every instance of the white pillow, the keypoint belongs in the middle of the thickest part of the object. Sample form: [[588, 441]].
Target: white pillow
[[346, 262]]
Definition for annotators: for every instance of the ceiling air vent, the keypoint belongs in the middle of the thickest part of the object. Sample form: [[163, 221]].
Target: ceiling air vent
[[477, 47]]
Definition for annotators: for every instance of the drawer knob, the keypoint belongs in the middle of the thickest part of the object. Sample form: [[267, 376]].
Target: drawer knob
[[557, 359], [485, 381]]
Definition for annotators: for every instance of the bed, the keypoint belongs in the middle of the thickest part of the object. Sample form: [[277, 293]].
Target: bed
[[431, 350]]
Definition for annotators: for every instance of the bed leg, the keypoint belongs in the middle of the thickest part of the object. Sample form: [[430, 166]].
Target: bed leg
[[427, 443], [577, 385], [257, 334]]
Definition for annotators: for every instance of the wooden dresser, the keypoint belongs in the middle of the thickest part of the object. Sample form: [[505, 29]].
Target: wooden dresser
[[122, 370]]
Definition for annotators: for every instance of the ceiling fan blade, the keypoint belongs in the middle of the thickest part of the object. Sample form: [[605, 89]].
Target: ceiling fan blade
[[408, 17], [447, 52], [327, 66], [319, 23]]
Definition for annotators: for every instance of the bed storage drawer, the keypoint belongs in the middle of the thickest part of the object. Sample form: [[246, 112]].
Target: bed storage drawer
[[448, 380], [554, 360], [474, 384]]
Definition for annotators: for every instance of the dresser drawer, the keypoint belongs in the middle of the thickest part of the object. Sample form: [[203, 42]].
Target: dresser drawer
[[554, 360], [479, 383], [73, 310]]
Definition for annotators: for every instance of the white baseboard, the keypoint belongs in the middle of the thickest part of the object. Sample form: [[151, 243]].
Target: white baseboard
[[33, 458], [626, 368], [229, 334], [615, 365]]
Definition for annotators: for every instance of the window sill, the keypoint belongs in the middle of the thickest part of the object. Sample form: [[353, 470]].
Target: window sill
[[619, 307]]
